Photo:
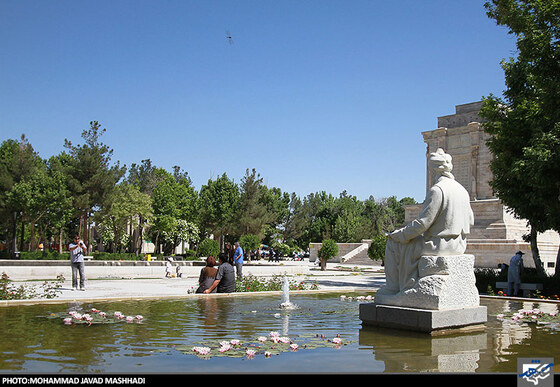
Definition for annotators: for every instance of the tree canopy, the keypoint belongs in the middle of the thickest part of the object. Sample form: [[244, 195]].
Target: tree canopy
[[524, 124], [82, 190]]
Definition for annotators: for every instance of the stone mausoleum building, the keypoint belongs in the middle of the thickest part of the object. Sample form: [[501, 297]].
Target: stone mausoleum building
[[496, 234]]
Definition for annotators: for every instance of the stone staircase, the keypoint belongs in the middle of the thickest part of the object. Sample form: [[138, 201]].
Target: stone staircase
[[357, 256], [348, 253]]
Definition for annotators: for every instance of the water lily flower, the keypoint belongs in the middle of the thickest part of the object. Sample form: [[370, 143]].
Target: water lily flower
[[118, 314], [267, 354], [285, 340], [342, 297], [201, 350], [262, 339], [77, 316], [68, 320], [87, 317], [337, 340], [250, 353], [225, 347], [500, 315], [129, 318], [273, 334], [234, 342], [93, 310], [293, 347], [102, 314], [139, 317]]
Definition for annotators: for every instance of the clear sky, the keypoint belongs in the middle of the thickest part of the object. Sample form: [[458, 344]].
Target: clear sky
[[316, 95]]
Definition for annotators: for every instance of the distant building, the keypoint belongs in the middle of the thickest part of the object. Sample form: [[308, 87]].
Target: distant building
[[497, 234]]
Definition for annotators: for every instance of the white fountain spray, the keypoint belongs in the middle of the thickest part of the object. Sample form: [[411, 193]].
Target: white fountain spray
[[286, 304]]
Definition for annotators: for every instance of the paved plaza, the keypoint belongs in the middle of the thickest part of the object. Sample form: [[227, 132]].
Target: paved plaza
[[341, 277]]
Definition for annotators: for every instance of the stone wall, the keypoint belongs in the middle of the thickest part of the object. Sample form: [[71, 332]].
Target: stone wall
[[19, 270]]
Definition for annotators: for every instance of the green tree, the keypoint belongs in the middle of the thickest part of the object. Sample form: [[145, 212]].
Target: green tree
[[208, 247], [376, 251], [328, 250], [218, 205], [173, 198], [90, 175], [18, 162], [295, 222], [249, 242], [252, 215], [525, 124], [125, 206], [349, 225], [45, 201]]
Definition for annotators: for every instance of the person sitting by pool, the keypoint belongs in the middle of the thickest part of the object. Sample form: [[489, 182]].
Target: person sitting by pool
[[207, 275], [225, 277]]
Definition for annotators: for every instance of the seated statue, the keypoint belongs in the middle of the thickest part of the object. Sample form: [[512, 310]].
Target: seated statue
[[440, 230]]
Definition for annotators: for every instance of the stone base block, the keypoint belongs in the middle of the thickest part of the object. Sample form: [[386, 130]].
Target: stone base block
[[421, 320], [442, 282]]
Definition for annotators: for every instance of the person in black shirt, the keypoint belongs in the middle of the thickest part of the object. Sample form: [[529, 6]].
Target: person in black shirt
[[225, 278]]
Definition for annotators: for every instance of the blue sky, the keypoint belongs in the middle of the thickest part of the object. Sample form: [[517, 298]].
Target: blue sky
[[315, 95]]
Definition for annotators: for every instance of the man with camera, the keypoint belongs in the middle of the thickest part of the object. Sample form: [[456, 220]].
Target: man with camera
[[77, 251]]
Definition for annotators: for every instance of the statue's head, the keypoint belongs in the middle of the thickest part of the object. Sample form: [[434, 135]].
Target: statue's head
[[440, 162]]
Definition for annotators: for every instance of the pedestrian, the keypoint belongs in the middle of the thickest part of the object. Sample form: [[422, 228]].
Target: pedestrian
[[207, 275], [514, 273], [225, 277], [238, 260], [77, 251], [228, 249], [168, 267], [178, 271]]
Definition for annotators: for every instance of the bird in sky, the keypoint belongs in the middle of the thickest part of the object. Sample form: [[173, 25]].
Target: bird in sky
[[229, 38]]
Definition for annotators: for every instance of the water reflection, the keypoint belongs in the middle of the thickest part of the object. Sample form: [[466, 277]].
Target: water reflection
[[495, 349], [403, 351], [32, 344]]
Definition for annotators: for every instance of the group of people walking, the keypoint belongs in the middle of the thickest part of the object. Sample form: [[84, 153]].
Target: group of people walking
[[222, 278]]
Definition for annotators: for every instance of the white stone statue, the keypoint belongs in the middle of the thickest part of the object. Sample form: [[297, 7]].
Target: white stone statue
[[425, 257]]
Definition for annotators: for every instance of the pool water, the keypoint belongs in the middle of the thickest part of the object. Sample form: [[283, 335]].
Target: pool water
[[162, 342]]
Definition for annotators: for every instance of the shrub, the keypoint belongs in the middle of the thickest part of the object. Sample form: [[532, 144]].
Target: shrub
[[208, 247], [376, 251], [9, 291], [251, 283]]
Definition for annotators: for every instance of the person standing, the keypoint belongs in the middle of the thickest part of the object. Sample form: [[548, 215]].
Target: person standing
[[238, 260], [77, 251], [514, 273]]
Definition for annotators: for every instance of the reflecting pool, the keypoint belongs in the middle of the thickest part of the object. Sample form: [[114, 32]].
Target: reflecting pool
[[35, 339]]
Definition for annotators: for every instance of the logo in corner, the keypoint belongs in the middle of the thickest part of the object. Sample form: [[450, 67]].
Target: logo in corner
[[535, 372]]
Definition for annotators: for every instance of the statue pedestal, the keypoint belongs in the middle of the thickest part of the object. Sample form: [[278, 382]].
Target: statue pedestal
[[422, 320], [444, 296]]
